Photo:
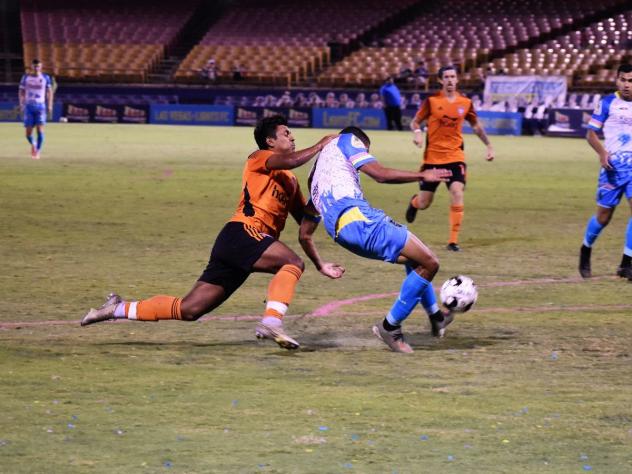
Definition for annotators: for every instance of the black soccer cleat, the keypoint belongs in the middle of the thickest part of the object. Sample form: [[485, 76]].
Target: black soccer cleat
[[440, 321], [453, 247], [411, 211], [584, 262], [625, 272]]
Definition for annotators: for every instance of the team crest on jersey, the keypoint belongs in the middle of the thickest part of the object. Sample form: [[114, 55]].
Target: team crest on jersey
[[460, 110]]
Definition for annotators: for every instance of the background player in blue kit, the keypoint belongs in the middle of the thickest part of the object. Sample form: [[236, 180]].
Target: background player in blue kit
[[350, 220], [36, 98], [613, 115]]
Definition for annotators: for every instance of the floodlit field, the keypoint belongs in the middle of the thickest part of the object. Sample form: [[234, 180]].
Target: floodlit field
[[537, 378]]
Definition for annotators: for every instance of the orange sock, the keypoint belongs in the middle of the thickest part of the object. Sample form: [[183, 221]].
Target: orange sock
[[154, 309], [281, 290], [456, 217]]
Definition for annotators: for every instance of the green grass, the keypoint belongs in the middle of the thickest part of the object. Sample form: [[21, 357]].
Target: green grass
[[537, 378]]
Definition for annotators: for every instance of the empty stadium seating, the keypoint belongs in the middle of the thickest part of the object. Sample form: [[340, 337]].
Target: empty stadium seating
[[283, 42], [100, 42]]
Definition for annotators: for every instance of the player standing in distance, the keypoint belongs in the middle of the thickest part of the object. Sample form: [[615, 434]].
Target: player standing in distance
[[248, 243], [445, 113], [613, 115], [36, 97], [335, 190]]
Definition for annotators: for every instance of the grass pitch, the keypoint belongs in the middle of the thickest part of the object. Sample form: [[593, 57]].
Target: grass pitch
[[536, 378]]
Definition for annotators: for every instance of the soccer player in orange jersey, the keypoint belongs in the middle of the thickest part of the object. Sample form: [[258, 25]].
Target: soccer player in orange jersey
[[445, 112], [248, 243]]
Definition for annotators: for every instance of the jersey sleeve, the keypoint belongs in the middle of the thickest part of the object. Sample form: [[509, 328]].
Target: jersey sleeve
[[354, 150], [424, 111], [600, 114], [257, 161], [471, 116], [49, 83], [23, 82]]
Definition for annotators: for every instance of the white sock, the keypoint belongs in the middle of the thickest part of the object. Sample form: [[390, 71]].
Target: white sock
[[119, 311]]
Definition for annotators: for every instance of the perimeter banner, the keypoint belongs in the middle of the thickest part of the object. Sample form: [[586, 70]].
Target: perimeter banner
[[499, 88]]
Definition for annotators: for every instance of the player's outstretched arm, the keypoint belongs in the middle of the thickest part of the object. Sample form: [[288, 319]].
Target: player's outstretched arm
[[288, 161], [595, 143], [382, 174], [306, 232], [480, 133]]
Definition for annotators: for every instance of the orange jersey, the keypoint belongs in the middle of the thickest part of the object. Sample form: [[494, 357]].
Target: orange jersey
[[444, 139], [267, 196]]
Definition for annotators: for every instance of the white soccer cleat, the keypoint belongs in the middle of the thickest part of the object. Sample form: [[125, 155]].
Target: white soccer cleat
[[277, 334], [104, 313], [393, 339]]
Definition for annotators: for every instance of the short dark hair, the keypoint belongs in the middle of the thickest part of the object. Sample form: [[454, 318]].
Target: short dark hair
[[624, 69], [359, 133], [449, 67], [35, 62], [266, 128]]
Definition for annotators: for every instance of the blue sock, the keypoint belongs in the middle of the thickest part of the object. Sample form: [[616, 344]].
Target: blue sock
[[593, 229], [429, 300], [412, 289], [40, 140], [628, 239], [29, 138]]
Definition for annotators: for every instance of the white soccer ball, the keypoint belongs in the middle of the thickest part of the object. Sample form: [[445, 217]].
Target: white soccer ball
[[458, 293]]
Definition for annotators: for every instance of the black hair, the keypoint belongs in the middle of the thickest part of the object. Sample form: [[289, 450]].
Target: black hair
[[266, 128], [35, 62], [624, 69], [450, 67], [359, 133]]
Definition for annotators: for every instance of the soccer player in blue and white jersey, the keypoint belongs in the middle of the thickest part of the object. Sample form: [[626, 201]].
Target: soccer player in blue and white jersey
[[36, 98], [350, 220], [613, 115]]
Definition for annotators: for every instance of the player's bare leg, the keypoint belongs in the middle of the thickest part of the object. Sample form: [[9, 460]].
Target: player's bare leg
[[287, 268], [420, 201]]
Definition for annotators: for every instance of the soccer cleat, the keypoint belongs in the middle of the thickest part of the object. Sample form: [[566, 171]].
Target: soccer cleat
[[104, 313], [584, 262], [625, 272], [98, 315], [278, 335], [411, 211], [453, 247], [439, 325], [393, 339]]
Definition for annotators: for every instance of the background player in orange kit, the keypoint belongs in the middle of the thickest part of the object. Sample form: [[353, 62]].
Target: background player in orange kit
[[248, 243], [445, 113]]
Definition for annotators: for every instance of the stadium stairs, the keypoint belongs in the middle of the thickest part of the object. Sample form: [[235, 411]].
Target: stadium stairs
[[373, 35], [205, 14], [11, 68]]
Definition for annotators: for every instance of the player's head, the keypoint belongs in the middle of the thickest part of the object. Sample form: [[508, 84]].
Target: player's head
[[272, 133], [358, 133], [36, 65], [624, 81], [448, 78]]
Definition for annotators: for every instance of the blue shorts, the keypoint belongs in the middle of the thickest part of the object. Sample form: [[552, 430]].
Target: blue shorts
[[34, 114], [370, 233], [612, 185]]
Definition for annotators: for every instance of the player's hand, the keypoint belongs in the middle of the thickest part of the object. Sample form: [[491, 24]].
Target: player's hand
[[326, 139], [418, 139], [435, 174], [490, 153], [604, 160], [332, 270]]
